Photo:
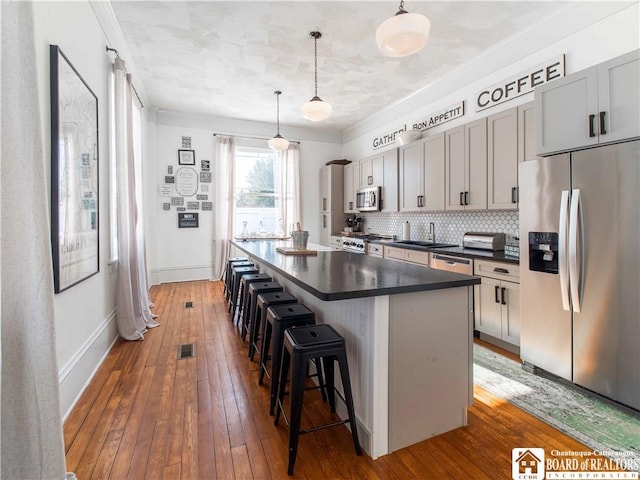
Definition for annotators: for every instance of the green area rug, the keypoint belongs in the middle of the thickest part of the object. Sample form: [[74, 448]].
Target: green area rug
[[596, 423]]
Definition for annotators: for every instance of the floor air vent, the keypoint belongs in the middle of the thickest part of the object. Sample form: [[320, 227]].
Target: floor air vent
[[187, 350], [188, 304]]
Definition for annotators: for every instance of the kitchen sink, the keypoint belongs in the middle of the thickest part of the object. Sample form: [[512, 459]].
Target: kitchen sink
[[418, 243]]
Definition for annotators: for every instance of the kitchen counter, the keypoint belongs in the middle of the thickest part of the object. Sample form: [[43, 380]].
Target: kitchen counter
[[408, 332], [335, 274], [458, 251]]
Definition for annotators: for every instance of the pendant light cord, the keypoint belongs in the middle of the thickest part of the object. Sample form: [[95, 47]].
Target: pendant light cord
[[315, 49], [277, 92]]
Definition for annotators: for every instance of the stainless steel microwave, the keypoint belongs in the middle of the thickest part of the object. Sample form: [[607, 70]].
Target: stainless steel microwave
[[368, 199]]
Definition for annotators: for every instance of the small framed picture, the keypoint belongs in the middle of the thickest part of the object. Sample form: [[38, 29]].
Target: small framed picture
[[186, 157]]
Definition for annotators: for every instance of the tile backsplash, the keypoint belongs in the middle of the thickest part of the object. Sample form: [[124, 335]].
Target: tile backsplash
[[449, 226]]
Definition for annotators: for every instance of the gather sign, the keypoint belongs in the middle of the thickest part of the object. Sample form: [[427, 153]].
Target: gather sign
[[520, 84]]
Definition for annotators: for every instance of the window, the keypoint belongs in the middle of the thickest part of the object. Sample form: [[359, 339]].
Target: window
[[257, 196]]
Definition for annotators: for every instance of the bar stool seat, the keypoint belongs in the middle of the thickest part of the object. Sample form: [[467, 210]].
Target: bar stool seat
[[302, 344], [230, 279], [227, 273], [278, 319], [264, 301], [237, 273], [248, 315], [243, 295]]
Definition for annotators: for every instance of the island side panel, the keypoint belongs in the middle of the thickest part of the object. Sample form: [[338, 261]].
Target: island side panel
[[430, 364], [354, 319]]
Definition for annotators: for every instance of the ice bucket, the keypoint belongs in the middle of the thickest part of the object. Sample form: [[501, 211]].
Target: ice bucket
[[299, 239]]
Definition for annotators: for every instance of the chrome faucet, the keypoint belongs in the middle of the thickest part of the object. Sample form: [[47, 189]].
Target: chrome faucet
[[431, 236]]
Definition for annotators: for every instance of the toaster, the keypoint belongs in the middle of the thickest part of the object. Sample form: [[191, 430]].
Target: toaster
[[484, 241]]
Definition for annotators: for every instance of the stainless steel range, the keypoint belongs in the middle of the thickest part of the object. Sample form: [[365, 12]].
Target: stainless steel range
[[353, 244]]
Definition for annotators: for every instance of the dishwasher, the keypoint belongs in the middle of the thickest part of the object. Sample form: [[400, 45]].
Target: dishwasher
[[451, 263]]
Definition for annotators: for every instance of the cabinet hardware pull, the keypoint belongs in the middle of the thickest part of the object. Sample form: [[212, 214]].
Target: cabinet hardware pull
[[466, 198], [497, 292], [350, 205], [500, 270], [513, 194], [591, 132], [517, 194], [504, 297], [369, 180], [603, 130], [461, 198]]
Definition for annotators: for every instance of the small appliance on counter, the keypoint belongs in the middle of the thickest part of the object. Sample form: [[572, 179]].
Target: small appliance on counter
[[484, 241], [353, 224], [299, 239]]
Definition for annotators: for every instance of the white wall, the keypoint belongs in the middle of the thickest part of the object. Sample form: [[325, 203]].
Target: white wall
[[85, 313], [587, 33], [175, 254]]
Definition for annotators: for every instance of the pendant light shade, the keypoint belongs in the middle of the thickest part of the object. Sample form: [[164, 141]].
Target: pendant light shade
[[403, 34], [278, 143], [315, 109]]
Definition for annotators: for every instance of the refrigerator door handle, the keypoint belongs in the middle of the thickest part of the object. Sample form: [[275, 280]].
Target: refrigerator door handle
[[575, 250], [562, 249]]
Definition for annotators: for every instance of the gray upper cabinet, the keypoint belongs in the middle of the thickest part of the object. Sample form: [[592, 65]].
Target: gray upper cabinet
[[422, 175], [502, 160], [351, 184], [598, 105], [381, 171], [466, 166], [526, 133]]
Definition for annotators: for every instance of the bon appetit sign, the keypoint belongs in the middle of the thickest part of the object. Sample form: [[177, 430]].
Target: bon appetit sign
[[520, 84], [443, 116]]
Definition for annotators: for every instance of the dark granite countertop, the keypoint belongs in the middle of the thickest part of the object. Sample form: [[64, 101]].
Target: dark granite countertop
[[335, 274], [459, 251]]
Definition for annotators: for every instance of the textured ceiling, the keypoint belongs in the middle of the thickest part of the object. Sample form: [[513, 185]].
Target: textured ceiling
[[226, 58]]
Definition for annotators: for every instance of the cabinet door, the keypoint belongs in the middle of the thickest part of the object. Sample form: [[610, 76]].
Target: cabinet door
[[434, 178], [395, 253], [349, 188], [389, 165], [325, 200], [526, 133], [510, 294], [411, 159], [502, 160], [366, 175], [454, 169], [488, 309], [377, 167], [619, 98], [562, 110], [475, 135], [325, 229]]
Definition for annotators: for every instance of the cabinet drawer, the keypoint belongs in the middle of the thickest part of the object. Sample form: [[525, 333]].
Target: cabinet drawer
[[414, 256], [375, 249], [336, 241], [497, 270], [395, 253]]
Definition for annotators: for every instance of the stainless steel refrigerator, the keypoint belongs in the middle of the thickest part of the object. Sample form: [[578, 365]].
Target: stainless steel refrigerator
[[580, 268]]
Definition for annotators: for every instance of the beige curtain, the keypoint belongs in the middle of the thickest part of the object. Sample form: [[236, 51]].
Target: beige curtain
[[31, 443], [288, 185], [224, 206], [133, 314]]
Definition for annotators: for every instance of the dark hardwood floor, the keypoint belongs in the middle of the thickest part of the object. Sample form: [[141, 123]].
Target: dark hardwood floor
[[148, 415]]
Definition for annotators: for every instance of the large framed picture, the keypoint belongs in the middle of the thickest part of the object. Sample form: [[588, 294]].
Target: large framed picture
[[186, 157], [74, 174]]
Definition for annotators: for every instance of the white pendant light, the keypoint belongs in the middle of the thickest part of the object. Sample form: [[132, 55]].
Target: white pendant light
[[403, 34], [278, 143], [315, 109]]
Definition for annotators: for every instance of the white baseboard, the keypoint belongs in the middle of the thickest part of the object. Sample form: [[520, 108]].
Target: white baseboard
[[74, 377], [182, 274]]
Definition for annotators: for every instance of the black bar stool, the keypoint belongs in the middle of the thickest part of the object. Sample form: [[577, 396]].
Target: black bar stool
[[236, 274], [243, 295], [279, 318], [256, 331], [302, 344], [227, 272], [230, 278], [248, 315]]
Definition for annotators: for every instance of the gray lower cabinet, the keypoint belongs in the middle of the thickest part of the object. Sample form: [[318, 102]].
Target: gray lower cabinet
[[497, 301], [597, 105]]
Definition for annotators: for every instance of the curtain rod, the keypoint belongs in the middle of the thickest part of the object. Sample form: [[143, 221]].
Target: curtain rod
[[109, 49], [250, 137]]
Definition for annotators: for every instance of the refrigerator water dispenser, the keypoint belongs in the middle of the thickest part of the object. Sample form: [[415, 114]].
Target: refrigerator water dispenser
[[543, 252]]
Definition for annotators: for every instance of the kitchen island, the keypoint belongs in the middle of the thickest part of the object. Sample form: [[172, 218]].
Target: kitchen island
[[408, 332]]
